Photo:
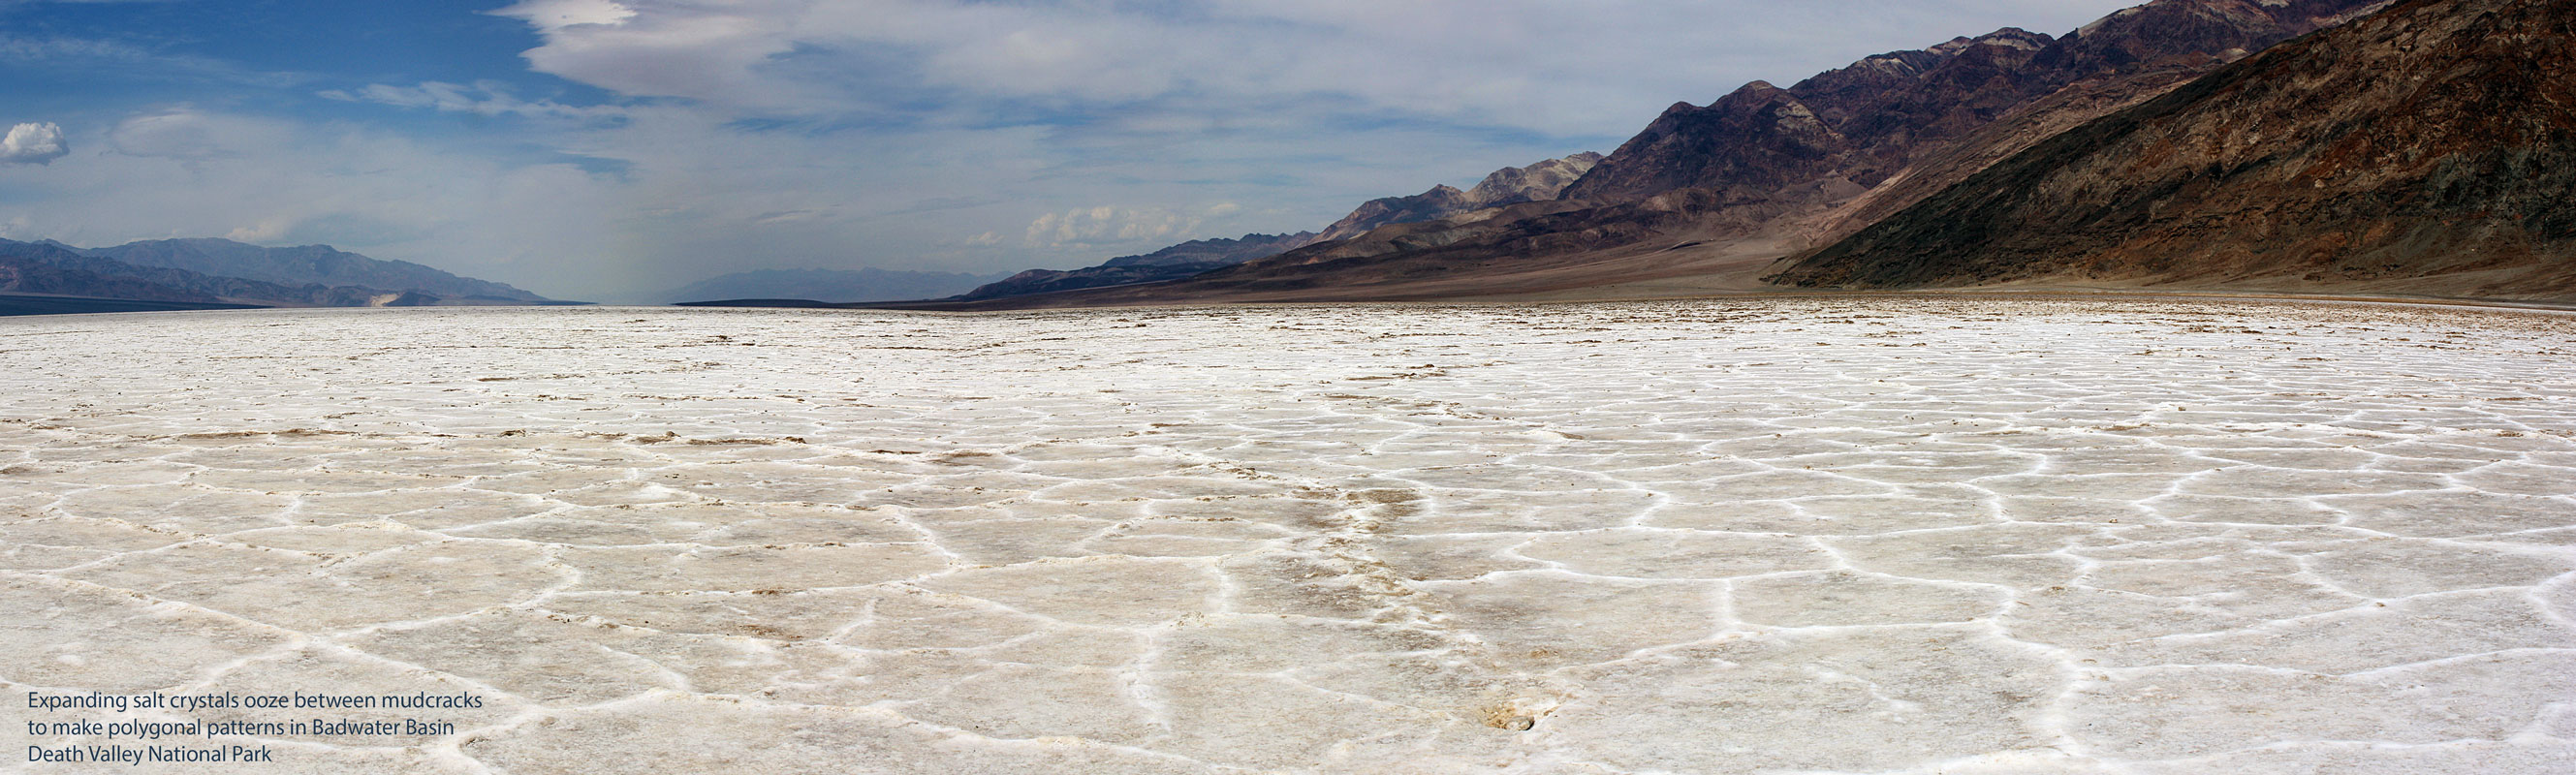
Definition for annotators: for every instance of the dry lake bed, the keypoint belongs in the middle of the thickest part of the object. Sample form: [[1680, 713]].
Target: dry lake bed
[[1777, 536]]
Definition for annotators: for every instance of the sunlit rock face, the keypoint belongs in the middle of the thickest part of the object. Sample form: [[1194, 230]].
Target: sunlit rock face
[[1852, 536]]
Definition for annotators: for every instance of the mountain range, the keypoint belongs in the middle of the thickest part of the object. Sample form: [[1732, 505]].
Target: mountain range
[[197, 272], [2176, 144], [303, 265]]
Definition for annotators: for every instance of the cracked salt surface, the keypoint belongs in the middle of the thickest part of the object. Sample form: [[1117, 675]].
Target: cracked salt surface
[[1852, 536]]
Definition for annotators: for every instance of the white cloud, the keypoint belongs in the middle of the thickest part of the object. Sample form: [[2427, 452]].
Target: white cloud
[[557, 14], [680, 48], [1106, 225], [266, 231], [33, 144]]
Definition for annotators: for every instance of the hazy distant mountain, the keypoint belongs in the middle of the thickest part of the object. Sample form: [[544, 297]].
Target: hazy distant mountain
[[305, 264], [1175, 262], [53, 268], [828, 285], [2426, 149], [27, 267]]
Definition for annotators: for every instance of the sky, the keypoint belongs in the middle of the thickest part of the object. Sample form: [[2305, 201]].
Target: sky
[[607, 150]]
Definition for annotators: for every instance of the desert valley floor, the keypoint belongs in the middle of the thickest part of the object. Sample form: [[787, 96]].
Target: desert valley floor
[[1862, 535]]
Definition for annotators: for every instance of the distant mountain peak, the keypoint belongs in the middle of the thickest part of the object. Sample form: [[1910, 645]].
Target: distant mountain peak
[[1756, 87], [1541, 181], [2010, 37]]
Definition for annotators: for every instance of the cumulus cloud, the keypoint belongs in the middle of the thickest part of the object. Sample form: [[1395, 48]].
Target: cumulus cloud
[[703, 51], [1107, 225], [264, 231], [33, 144]]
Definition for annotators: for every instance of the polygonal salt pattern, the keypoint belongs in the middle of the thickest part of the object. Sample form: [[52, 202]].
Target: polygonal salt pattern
[[1883, 535]]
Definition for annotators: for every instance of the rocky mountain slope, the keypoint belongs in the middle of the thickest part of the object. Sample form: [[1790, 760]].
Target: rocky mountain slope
[[1537, 182], [2430, 148], [829, 285], [305, 265], [1862, 124]]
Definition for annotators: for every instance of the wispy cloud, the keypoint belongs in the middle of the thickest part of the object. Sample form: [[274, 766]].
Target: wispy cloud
[[189, 134], [94, 57], [484, 98]]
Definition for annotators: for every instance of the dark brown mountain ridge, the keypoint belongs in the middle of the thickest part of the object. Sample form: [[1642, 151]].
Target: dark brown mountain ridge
[[1867, 120], [2428, 149]]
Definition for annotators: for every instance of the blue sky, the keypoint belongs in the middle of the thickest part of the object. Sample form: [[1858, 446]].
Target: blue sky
[[608, 149]]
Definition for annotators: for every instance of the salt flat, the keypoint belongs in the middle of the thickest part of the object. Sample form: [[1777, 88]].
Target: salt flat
[[1819, 535]]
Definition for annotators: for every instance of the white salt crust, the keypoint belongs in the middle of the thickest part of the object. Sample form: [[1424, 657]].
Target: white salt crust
[[1846, 536]]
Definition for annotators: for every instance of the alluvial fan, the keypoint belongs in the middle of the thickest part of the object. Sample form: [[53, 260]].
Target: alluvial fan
[[1870, 535]]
